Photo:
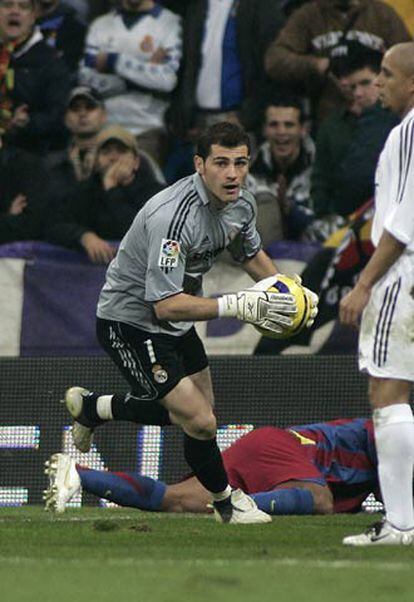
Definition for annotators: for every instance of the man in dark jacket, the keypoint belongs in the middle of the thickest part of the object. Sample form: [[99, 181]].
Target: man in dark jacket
[[24, 195], [62, 30], [34, 82], [299, 56], [224, 46], [349, 142], [103, 207]]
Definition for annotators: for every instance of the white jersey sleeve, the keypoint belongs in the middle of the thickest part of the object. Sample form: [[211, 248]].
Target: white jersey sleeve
[[399, 220]]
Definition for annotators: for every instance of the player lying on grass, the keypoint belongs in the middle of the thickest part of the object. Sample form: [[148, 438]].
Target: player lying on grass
[[310, 469]]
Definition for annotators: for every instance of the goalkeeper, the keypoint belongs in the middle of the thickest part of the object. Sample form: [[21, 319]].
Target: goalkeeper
[[308, 469], [153, 294]]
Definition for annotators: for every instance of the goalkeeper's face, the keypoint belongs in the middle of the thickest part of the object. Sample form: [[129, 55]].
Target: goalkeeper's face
[[224, 171]]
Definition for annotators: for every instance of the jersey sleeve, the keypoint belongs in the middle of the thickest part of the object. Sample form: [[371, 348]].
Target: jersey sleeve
[[400, 219], [166, 259]]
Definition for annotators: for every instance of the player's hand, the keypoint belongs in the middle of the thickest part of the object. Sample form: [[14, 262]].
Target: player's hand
[[353, 304], [266, 309], [97, 249], [313, 300]]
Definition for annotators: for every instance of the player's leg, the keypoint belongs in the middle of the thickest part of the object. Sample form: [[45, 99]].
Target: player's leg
[[386, 352], [193, 412], [296, 497], [128, 348], [394, 439]]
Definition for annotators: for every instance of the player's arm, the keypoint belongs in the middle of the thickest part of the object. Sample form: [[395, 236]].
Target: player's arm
[[183, 307], [385, 255], [260, 266]]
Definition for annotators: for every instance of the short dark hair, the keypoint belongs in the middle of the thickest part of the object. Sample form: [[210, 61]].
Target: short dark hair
[[354, 56], [286, 101], [225, 134]]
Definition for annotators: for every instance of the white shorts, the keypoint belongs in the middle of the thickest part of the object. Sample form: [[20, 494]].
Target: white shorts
[[386, 339]]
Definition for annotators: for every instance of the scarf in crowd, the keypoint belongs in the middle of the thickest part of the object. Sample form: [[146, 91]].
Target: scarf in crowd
[[82, 160], [6, 84]]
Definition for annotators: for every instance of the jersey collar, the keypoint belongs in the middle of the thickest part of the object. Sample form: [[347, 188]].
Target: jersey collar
[[201, 189]]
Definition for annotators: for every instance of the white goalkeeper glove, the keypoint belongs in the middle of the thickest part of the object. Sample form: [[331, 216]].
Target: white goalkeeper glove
[[312, 298], [266, 309]]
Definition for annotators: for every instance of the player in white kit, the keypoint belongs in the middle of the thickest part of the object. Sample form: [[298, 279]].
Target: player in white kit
[[384, 295]]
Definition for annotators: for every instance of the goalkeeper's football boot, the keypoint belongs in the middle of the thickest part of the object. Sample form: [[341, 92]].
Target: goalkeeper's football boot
[[81, 404], [239, 508], [64, 482], [381, 534]]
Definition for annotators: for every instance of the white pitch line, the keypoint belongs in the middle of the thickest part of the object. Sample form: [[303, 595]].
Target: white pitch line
[[210, 563]]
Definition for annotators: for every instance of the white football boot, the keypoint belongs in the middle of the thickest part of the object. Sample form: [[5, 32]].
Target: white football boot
[[241, 510], [82, 430], [64, 482], [381, 534]]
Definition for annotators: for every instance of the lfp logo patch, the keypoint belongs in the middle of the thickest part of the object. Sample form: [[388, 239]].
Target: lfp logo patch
[[169, 253]]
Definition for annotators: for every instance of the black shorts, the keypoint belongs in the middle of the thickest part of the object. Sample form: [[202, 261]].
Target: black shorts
[[153, 364]]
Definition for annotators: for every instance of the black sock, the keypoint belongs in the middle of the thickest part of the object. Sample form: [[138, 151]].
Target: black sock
[[142, 412], [204, 459]]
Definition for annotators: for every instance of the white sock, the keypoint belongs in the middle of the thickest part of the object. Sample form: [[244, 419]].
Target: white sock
[[104, 407], [222, 495], [394, 438]]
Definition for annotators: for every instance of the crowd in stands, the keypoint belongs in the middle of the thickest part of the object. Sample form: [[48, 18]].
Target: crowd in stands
[[101, 102]]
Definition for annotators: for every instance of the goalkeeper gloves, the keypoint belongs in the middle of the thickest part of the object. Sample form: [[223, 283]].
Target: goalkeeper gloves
[[312, 298], [266, 309]]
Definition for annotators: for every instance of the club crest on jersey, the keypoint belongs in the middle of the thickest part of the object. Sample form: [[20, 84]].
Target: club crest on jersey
[[169, 253]]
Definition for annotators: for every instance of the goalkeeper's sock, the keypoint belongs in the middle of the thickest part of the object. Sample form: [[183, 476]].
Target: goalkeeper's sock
[[285, 501], [204, 459], [123, 488], [127, 407]]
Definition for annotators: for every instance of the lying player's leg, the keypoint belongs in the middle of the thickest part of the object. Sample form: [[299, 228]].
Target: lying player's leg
[[296, 497]]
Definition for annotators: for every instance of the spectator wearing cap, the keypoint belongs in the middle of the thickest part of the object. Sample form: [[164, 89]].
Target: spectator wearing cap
[[34, 82], [132, 56], [84, 118], [299, 58], [102, 208], [62, 30], [348, 144]]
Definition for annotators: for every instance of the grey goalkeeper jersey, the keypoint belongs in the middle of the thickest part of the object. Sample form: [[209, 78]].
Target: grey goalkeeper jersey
[[172, 242]]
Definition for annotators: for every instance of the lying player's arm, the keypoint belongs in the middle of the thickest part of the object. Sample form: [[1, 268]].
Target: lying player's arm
[[260, 266]]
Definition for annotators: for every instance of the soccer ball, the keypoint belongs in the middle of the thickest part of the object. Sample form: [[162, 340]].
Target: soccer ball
[[287, 285]]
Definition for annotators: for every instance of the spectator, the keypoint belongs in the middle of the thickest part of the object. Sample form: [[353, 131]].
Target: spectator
[[24, 195], [85, 116], [62, 30], [132, 57], [349, 142], [103, 207], [34, 82], [300, 56], [283, 166], [222, 74]]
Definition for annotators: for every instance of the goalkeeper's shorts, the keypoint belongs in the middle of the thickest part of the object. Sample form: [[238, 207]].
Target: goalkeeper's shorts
[[152, 363]]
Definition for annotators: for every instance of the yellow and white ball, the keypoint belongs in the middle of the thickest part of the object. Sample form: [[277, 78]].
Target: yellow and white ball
[[286, 285]]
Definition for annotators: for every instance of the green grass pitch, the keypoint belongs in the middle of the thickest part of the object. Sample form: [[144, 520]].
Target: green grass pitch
[[117, 555]]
